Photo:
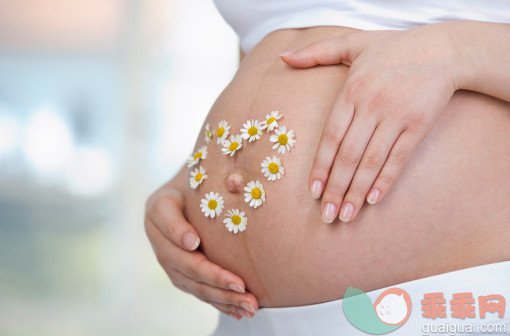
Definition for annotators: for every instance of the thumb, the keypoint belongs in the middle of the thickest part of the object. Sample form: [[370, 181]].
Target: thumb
[[337, 50]]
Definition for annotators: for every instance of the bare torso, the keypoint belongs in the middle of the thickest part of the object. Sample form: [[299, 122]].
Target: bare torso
[[448, 210]]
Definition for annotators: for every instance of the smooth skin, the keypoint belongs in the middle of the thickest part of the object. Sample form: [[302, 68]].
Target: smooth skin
[[398, 84], [175, 243], [358, 154]]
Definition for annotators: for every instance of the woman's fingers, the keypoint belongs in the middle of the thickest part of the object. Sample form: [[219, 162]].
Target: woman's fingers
[[402, 150], [339, 50], [190, 270], [335, 127], [346, 161], [392, 86], [193, 264], [217, 299], [212, 294], [371, 163], [166, 212], [233, 315], [230, 310], [222, 299]]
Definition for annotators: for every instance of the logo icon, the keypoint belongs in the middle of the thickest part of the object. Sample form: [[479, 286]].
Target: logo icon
[[388, 313]]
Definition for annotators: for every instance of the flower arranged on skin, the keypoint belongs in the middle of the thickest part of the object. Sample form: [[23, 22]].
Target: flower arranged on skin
[[212, 204], [236, 221], [222, 131], [272, 168], [200, 155], [255, 194], [197, 177], [271, 121], [252, 130], [233, 145], [208, 134], [284, 140]]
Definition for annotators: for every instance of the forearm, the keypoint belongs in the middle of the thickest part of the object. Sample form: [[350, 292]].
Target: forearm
[[482, 50]]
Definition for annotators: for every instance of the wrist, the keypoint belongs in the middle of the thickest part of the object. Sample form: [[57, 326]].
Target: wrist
[[467, 52], [457, 51]]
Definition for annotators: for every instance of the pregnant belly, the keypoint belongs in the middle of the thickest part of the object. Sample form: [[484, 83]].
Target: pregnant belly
[[448, 210]]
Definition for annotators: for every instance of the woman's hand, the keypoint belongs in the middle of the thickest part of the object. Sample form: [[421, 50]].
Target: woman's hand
[[398, 84], [175, 243]]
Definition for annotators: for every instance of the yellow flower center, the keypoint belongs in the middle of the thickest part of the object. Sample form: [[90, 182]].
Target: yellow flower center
[[252, 131], [233, 146], [212, 204], [282, 139], [197, 156], [270, 120], [236, 219], [273, 168], [220, 132], [256, 193], [198, 177], [208, 134]]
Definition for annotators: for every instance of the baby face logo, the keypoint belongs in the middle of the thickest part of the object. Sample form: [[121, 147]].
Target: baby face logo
[[390, 311], [393, 306]]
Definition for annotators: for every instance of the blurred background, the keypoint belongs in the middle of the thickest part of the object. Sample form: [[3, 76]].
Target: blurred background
[[100, 103]]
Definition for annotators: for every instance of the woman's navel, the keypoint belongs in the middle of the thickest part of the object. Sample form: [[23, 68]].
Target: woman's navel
[[235, 181]]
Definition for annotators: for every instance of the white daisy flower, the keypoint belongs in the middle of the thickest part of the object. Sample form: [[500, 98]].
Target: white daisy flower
[[212, 204], [284, 140], [233, 145], [200, 155], [272, 168], [271, 121], [222, 131], [236, 221], [254, 194], [197, 177], [208, 134], [252, 130]]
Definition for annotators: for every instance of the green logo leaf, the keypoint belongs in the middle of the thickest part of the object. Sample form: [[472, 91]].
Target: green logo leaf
[[360, 312]]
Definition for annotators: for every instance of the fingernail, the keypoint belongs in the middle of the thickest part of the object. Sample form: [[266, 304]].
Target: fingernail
[[346, 213], [288, 53], [328, 213], [316, 189], [191, 241], [235, 316], [236, 287], [244, 313], [373, 196], [247, 306]]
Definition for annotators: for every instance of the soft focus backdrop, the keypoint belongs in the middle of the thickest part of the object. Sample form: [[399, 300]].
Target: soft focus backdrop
[[100, 103]]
